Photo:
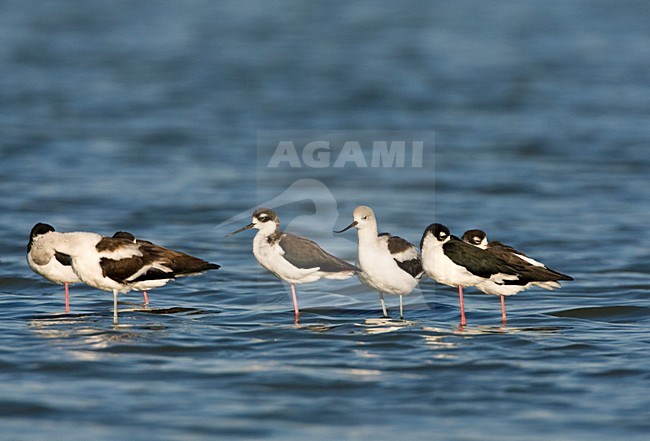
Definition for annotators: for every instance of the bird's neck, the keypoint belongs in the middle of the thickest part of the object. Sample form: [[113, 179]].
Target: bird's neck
[[368, 234], [264, 234], [75, 243], [429, 244]]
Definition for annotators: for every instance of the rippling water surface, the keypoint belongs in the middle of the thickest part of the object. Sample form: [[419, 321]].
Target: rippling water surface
[[155, 118]]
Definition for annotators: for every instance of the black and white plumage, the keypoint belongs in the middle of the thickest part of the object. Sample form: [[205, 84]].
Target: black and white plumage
[[117, 264], [291, 258], [389, 263], [534, 273], [145, 285], [450, 261], [180, 263], [43, 260]]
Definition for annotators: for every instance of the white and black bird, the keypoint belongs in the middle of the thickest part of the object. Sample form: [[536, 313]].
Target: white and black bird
[[291, 258], [535, 272], [178, 260], [146, 285], [117, 265], [452, 262], [45, 261], [389, 264]]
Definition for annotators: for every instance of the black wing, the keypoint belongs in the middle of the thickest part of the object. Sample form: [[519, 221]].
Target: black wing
[[120, 270], [63, 259], [477, 261], [181, 264], [411, 264], [413, 267], [534, 272], [304, 253]]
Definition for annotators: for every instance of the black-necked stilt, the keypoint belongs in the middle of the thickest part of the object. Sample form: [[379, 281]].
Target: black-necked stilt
[[117, 265], [43, 260], [452, 262], [389, 263], [534, 274], [291, 258]]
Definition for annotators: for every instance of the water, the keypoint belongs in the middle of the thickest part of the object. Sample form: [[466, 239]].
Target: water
[[155, 117]]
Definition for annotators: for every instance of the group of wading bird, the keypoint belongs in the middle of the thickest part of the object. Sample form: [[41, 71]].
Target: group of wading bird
[[386, 263]]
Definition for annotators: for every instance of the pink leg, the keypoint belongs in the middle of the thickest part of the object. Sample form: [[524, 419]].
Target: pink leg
[[503, 310], [146, 298], [67, 298], [296, 310], [463, 321]]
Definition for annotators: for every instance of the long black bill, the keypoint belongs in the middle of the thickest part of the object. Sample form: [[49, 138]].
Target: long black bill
[[247, 227], [353, 224]]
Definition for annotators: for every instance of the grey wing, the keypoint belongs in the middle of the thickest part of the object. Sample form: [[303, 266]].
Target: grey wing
[[304, 253]]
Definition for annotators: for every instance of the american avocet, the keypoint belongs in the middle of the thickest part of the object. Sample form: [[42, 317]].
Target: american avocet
[[389, 264]]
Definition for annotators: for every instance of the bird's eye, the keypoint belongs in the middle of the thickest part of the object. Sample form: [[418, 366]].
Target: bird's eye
[[365, 217]]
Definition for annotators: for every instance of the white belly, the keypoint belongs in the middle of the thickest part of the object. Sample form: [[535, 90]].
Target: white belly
[[381, 272], [88, 269], [441, 269], [54, 271], [490, 287], [270, 257]]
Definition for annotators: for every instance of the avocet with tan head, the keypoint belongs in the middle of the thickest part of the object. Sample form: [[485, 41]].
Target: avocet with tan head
[[389, 264]]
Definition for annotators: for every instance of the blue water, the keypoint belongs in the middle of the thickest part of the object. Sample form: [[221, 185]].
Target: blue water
[[161, 118]]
